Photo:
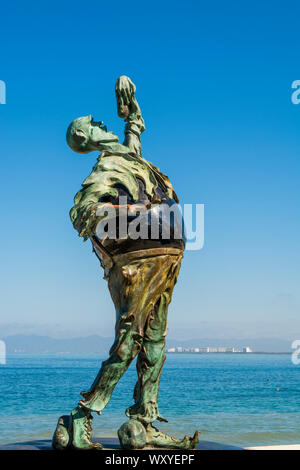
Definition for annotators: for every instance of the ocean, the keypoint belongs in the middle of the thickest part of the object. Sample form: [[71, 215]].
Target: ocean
[[238, 399]]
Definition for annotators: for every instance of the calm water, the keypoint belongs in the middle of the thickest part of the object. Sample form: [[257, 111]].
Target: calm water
[[237, 399]]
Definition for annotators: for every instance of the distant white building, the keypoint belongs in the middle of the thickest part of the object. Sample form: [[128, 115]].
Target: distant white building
[[209, 349]]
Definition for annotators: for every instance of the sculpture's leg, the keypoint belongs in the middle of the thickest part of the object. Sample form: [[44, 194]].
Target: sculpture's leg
[[136, 288], [141, 290], [150, 363], [124, 350], [127, 345], [149, 367]]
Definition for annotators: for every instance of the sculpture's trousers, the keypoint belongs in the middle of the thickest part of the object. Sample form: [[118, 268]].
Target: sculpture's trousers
[[141, 287]]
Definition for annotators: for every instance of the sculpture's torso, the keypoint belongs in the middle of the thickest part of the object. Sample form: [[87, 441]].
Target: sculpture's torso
[[131, 177]]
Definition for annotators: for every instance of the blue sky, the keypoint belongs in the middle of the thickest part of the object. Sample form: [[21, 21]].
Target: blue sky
[[214, 84]]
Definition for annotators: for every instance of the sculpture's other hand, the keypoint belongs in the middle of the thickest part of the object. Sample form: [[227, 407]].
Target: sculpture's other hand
[[125, 90]]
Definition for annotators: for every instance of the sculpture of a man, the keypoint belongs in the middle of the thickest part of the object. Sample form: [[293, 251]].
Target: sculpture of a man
[[141, 274]]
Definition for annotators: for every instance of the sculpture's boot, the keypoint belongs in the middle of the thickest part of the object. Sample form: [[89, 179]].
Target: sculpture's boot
[[135, 435], [81, 430], [61, 436], [132, 435], [156, 438]]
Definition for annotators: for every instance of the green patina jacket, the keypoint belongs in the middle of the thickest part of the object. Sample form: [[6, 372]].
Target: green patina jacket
[[113, 168]]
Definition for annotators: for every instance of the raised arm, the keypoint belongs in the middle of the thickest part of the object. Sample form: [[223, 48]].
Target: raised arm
[[129, 109]]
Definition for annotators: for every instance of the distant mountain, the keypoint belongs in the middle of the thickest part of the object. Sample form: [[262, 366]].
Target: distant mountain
[[34, 344], [94, 344]]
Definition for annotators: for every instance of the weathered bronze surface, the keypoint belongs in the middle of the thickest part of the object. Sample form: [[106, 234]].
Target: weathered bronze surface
[[141, 275]]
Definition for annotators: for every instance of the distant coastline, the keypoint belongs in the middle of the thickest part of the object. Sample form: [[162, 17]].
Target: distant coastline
[[95, 344], [20, 352], [227, 353]]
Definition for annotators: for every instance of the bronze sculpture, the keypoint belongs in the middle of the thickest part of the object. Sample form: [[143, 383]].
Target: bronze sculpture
[[141, 273]]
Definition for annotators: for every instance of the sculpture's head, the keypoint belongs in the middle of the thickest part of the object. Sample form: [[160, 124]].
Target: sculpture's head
[[85, 135]]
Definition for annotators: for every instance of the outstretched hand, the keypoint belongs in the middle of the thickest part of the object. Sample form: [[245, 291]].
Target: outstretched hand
[[125, 90]]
